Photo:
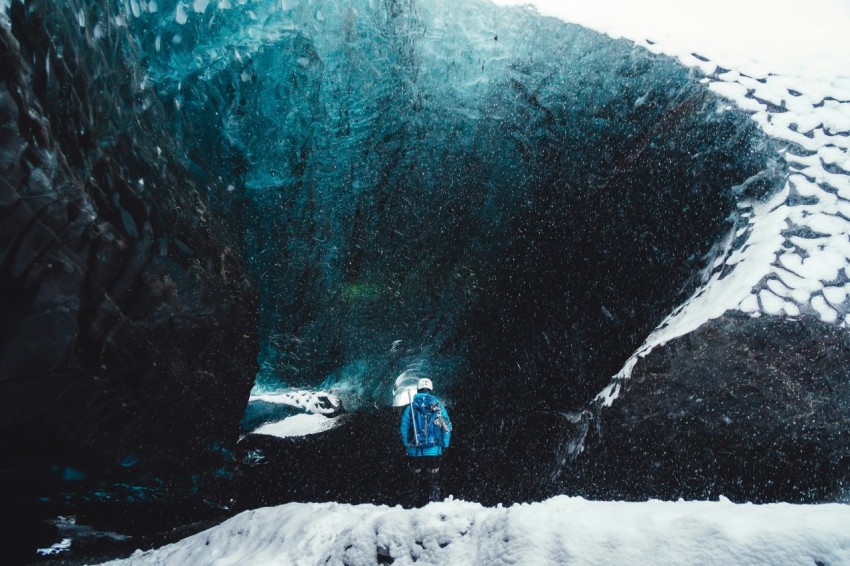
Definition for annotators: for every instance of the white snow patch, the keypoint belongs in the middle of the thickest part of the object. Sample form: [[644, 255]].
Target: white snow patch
[[790, 67], [298, 425], [317, 402], [835, 295], [756, 37], [561, 530], [180, 15], [825, 311]]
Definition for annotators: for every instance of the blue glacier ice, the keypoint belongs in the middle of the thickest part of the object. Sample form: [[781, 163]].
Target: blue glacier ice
[[491, 191]]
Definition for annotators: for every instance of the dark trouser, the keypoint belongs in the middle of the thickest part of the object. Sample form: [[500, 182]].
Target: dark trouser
[[424, 480]]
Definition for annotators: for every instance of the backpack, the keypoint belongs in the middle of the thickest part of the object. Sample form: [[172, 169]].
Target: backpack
[[428, 423]]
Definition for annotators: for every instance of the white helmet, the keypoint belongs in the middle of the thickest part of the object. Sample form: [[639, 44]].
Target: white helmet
[[424, 383]]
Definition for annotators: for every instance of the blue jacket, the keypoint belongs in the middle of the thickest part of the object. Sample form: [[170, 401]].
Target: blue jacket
[[409, 439]]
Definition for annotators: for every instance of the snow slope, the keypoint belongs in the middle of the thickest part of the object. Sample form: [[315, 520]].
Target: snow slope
[[298, 425], [320, 412], [561, 530], [789, 64], [787, 37]]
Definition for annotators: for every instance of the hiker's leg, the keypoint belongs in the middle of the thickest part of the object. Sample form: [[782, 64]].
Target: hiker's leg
[[415, 487], [415, 493], [433, 475]]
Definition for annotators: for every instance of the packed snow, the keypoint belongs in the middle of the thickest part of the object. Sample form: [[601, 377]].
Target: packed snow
[[316, 402], [755, 37], [321, 412], [561, 530], [298, 425]]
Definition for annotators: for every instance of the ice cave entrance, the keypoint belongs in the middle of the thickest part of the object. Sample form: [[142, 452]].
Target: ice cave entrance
[[478, 193]]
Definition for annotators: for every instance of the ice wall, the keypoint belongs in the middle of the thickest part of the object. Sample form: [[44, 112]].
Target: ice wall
[[123, 291], [480, 193], [789, 259]]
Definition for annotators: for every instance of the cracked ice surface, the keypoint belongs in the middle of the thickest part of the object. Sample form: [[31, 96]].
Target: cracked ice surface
[[795, 257], [788, 256], [314, 402]]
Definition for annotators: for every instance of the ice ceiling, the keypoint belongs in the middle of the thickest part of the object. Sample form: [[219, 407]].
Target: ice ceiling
[[472, 192]]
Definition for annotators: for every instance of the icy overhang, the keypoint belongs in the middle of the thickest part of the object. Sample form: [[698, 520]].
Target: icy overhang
[[479, 190]]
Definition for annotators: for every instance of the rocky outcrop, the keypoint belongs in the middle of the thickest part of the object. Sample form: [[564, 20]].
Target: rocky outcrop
[[753, 409]]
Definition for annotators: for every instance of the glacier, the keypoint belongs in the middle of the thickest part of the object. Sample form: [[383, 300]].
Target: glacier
[[220, 214], [394, 170]]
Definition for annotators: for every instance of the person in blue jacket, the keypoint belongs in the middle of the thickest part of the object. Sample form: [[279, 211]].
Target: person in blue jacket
[[426, 432]]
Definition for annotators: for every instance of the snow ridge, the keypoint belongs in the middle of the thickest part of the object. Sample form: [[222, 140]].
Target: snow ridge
[[561, 530], [789, 255], [314, 402]]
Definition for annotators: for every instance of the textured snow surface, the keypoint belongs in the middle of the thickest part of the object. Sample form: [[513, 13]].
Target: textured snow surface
[[298, 425], [316, 402], [320, 409], [561, 530], [788, 37]]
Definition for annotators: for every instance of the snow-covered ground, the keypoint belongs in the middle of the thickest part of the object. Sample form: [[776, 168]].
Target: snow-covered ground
[[561, 530], [788, 37], [321, 412], [298, 425], [315, 402]]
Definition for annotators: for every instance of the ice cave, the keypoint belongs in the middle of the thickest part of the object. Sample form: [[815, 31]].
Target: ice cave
[[626, 269]]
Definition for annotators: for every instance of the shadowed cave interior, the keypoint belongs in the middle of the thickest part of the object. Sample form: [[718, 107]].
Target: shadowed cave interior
[[322, 196]]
